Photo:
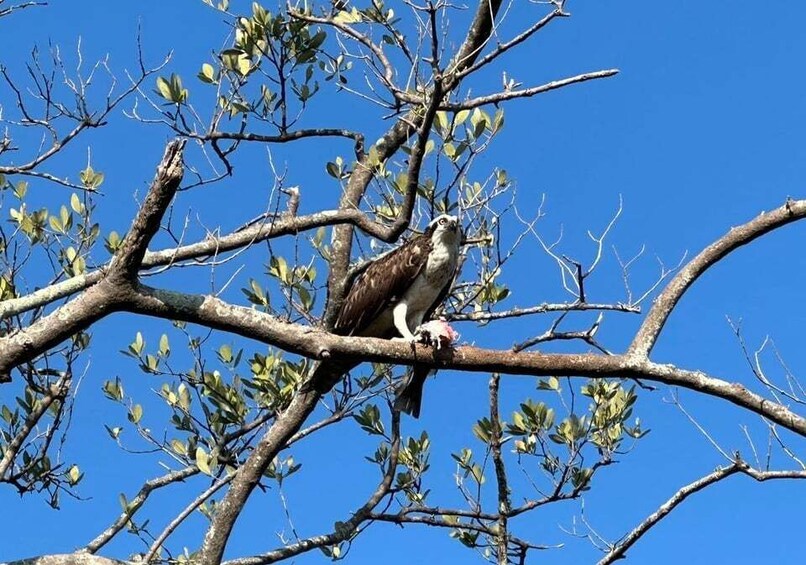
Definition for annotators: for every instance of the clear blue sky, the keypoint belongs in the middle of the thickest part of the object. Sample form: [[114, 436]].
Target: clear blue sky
[[702, 129]]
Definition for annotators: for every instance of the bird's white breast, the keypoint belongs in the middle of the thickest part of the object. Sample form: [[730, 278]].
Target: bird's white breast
[[427, 287]]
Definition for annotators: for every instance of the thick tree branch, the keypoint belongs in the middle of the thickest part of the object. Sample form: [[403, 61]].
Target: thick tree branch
[[347, 529], [737, 237], [129, 257], [284, 225], [317, 344], [26, 344], [69, 559], [620, 549]]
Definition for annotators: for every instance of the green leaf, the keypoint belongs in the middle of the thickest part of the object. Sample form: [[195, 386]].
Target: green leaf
[[179, 447], [55, 224], [152, 363], [244, 65], [479, 121], [498, 120], [136, 414], [75, 475], [202, 461], [113, 389], [163, 88], [184, 397], [483, 430], [305, 298], [333, 170], [171, 89], [165, 348], [225, 353], [136, 347], [208, 74], [91, 180], [76, 204], [441, 123], [112, 243], [20, 189], [351, 17], [552, 383]]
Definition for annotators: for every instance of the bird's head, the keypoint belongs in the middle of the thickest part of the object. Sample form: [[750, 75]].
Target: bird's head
[[445, 228]]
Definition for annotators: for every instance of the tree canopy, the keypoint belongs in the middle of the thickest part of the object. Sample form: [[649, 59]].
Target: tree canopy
[[159, 328]]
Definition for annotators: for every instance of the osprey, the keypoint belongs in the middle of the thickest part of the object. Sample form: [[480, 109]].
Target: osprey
[[394, 294]]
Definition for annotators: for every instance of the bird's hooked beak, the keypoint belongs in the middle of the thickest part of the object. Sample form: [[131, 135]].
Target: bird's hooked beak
[[454, 224]]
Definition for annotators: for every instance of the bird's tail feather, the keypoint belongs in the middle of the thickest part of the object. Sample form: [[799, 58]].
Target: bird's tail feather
[[410, 391]]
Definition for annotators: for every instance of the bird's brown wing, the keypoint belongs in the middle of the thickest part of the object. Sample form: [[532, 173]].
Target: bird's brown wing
[[381, 284]]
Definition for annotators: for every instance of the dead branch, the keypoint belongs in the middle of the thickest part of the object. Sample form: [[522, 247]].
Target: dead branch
[[619, 550], [650, 329]]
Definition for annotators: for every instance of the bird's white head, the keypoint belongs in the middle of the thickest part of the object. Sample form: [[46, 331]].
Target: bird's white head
[[445, 228]]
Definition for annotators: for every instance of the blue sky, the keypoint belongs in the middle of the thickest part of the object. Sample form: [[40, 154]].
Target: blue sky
[[701, 130]]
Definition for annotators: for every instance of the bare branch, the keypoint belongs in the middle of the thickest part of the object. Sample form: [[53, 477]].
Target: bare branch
[[12, 448], [156, 546], [134, 505], [515, 41], [10, 9], [129, 257], [526, 92], [737, 237], [539, 309], [620, 549], [347, 529]]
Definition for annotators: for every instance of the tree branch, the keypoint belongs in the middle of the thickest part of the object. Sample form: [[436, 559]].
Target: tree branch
[[99, 300], [134, 505], [737, 237], [620, 549], [317, 344], [504, 504], [10, 9], [526, 92], [129, 257], [69, 559], [539, 309], [57, 392], [344, 530]]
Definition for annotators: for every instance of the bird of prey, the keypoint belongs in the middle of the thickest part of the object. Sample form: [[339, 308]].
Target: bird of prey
[[394, 294]]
